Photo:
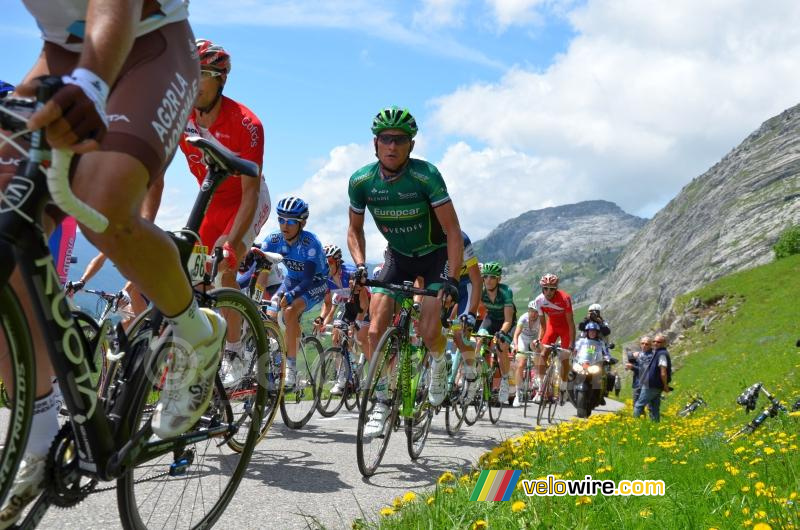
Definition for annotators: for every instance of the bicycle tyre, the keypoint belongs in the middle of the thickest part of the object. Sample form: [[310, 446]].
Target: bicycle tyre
[[556, 401], [15, 335], [370, 449], [495, 406], [275, 371], [354, 390], [299, 403], [474, 410], [245, 394], [456, 402], [334, 360], [161, 471], [419, 425], [546, 393]]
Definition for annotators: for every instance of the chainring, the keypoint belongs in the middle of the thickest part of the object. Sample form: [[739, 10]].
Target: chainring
[[63, 476]]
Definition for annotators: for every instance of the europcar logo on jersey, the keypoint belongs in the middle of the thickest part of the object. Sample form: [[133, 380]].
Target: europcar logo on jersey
[[397, 213]]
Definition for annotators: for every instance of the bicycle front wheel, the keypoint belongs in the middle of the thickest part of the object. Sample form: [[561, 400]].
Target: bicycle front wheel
[[379, 403], [473, 409], [334, 367], [546, 395], [190, 483], [17, 362], [456, 401], [419, 424], [493, 400], [300, 401]]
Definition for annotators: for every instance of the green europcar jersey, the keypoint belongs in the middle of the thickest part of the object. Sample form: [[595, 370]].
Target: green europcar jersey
[[504, 298], [403, 207]]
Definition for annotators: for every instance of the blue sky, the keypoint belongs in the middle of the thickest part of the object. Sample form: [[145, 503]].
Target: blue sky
[[522, 104]]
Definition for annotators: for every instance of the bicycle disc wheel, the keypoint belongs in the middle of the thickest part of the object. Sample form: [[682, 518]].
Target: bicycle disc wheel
[[334, 364], [18, 367], [187, 484], [419, 425], [545, 394], [298, 403], [243, 394], [495, 407], [370, 448]]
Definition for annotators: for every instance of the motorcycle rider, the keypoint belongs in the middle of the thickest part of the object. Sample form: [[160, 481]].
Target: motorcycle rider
[[594, 316], [592, 349]]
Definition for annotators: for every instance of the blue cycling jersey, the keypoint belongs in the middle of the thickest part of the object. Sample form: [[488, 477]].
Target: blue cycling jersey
[[346, 272], [304, 255]]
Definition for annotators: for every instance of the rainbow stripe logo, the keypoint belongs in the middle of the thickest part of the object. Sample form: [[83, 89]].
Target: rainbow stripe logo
[[495, 485]]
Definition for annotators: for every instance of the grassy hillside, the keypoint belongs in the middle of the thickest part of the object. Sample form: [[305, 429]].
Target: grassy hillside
[[753, 482]]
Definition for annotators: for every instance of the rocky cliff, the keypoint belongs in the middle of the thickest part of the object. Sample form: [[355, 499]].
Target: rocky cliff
[[725, 220], [579, 242]]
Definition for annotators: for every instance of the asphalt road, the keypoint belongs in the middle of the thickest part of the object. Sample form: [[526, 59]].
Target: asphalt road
[[309, 478]]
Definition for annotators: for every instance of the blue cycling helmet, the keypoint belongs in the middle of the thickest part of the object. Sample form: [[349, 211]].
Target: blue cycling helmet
[[5, 88], [293, 208], [592, 325]]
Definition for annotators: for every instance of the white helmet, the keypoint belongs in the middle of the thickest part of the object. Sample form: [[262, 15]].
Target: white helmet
[[532, 304], [377, 270], [595, 308]]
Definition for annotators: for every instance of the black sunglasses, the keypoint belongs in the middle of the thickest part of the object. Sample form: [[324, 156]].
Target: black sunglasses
[[398, 139]]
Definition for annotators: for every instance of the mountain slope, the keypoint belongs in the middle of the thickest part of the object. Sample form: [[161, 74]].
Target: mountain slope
[[723, 221], [579, 242]]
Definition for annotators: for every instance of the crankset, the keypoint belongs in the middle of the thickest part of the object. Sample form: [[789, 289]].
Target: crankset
[[66, 486]]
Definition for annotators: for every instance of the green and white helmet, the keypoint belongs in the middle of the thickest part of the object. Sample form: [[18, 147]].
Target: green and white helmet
[[492, 268], [394, 118]]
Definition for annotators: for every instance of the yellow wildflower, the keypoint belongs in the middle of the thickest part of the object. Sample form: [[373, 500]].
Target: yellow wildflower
[[760, 514], [583, 500], [397, 503], [649, 459], [446, 477], [386, 512], [480, 524], [430, 500], [448, 490], [745, 489], [762, 526], [727, 513], [718, 485], [517, 506], [410, 496], [752, 474], [769, 451], [645, 513], [739, 450], [745, 510]]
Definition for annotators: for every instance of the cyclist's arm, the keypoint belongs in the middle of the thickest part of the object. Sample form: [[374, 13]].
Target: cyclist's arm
[[309, 270], [93, 267], [475, 296], [571, 321], [325, 313], [542, 326], [508, 319], [446, 214], [247, 210], [356, 242], [517, 333]]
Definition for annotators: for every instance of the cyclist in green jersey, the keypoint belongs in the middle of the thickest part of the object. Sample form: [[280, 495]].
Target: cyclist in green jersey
[[500, 319], [409, 203]]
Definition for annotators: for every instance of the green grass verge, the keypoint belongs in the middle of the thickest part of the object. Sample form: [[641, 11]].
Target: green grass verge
[[753, 482]]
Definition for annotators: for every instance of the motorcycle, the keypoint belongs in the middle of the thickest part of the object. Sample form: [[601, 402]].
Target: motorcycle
[[589, 380]]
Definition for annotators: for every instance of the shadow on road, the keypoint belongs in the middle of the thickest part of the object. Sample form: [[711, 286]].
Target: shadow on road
[[294, 471]]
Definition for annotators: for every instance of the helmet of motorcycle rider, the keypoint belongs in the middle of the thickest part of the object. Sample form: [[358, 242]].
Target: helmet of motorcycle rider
[[595, 308], [592, 326]]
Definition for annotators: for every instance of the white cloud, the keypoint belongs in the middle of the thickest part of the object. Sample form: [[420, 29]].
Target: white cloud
[[647, 95], [515, 12], [440, 13]]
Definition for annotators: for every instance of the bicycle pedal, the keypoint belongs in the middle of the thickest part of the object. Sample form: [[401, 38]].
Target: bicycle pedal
[[179, 467]]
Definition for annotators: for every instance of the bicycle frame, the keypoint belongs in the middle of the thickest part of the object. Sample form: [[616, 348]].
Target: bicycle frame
[[408, 384]]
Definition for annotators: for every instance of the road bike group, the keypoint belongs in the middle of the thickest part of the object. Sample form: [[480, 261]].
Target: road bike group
[[140, 406]]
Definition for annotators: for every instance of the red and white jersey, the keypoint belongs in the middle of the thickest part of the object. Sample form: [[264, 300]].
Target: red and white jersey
[[556, 309], [239, 130]]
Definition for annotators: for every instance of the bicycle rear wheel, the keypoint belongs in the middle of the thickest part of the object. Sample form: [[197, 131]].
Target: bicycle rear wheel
[[556, 401], [189, 483], [298, 403], [371, 448], [419, 425], [524, 391], [473, 410], [456, 402], [334, 364], [17, 361], [354, 390]]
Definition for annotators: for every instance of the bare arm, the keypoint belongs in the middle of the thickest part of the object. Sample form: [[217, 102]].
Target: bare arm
[[109, 36], [446, 214], [508, 319], [247, 209], [356, 242], [475, 296], [542, 325], [571, 320], [93, 267]]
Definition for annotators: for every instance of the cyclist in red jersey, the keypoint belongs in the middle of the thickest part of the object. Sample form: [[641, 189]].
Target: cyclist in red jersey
[[555, 322], [240, 205]]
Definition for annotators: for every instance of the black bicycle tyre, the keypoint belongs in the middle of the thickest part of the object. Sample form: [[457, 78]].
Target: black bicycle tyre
[[387, 347], [312, 367], [479, 399], [545, 393], [353, 391], [126, 498], [275, 373], [423, 413], [525, 391], [495, 406], [333, 359], [14, 327], [456, 403]]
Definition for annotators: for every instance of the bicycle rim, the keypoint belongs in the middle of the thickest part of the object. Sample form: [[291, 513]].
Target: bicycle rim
[[15, 425], [298, 403], [546, 392], [275, 372], [190, 486], [333, 363], [456, 404], [418, 426], [474, 409], [370, 449], [248, 396], [551, 410], [524, 392], [354, 390], [495, 407]]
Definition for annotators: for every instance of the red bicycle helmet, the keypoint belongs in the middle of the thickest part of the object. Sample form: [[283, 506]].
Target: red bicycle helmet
[[213, 57]]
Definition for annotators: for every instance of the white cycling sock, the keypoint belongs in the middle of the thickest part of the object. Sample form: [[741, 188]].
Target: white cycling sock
[[234, 346], [44, 426], [191, 325]]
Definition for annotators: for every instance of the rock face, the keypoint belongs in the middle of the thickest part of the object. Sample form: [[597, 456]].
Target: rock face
[[579, 242], [723, 221]]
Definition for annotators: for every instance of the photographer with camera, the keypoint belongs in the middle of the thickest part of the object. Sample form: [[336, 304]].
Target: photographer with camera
[[595, 316]]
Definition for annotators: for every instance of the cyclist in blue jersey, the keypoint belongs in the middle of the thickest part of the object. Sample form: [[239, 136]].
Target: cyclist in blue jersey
[[306, 278], [340, 276], [470, 287]]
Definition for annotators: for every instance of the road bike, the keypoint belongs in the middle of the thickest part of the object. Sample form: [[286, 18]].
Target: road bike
[[549, 394]]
